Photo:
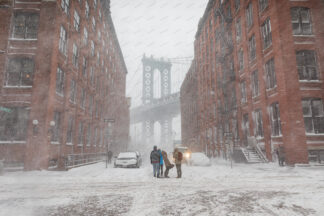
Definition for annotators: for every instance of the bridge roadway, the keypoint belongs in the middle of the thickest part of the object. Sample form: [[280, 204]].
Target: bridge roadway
[[156, 110]]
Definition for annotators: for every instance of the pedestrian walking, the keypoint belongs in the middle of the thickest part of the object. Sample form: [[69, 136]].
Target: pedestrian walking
[[177, 155], [110, 155], [155, 161], [161, 162], [281, 154], [167, 163]]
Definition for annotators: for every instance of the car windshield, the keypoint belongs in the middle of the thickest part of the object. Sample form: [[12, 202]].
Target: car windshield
[[127, 155]]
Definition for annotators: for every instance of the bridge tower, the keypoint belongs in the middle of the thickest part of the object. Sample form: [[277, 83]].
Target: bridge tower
[[164, 68]]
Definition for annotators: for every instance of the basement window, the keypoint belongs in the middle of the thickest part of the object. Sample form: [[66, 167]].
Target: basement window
[[20, 72], [25, 25], [313, 115]]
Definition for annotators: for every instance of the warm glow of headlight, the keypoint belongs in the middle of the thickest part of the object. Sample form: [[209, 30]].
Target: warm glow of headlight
[[187, 155]]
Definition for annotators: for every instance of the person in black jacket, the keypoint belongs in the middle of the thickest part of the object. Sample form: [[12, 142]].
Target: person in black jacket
[[155, 161]]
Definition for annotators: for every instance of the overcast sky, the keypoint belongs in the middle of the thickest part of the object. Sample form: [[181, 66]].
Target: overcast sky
[[163, 28]]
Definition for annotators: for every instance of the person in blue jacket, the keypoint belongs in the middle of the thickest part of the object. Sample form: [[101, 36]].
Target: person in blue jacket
[[161, 161]]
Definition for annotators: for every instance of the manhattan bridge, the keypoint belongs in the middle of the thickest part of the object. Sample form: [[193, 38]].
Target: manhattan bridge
[[160, 102]]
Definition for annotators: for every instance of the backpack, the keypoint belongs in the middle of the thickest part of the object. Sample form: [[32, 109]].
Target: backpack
[[179, 156]]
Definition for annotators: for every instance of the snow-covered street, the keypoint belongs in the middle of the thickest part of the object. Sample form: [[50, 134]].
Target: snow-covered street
[[261, 189]]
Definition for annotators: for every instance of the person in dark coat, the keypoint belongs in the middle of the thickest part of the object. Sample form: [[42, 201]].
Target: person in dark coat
[[167, 163], [110, 155], [281, 155], [161, 162], [155, 161]]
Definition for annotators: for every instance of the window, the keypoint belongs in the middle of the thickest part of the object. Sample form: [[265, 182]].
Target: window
[[301, 22], [93, 24], [13, 125], [76, 21], [249, 15], [90, 104], [243, 92], [266, 33], [83, 98], [92, 76], [25, 25], [80, 135], [84, 67], [56, 129], [98, 58], [88, 138], [95, 136], [63, 41], [75, 55], [87, 9], [94, 3], [92, 48], [313, 115], [65, 4], [255, 84], [85, 36], [245, 128], [20, 72], [237, 4], [263, 4], [59, 81], [306, 65], [241, 59], [73, 91], [275, 120], [97, 109], [258, 125], [238, 27], [69, 132], [252, 49], [270, 74], [99, 35]]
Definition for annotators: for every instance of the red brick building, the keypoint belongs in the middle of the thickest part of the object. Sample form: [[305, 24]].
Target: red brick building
[[62, 73], [189, 110], [259, 72]]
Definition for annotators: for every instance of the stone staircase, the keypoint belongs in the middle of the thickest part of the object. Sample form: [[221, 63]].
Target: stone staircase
[[252, 156]]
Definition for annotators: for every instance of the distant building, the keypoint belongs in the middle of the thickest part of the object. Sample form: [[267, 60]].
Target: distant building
[[62, 73], [259, 74], [189, 110]]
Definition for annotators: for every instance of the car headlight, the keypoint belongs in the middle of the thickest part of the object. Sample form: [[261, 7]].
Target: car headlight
[[187, 155]]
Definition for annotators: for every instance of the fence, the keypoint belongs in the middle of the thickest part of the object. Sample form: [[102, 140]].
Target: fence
[[76, 160]]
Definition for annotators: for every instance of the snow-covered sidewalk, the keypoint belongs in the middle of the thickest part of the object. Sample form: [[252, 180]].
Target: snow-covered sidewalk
[[261, 189]]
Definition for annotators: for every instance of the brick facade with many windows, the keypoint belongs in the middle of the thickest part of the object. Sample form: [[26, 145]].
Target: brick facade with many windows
[[62, 73], [259, 74]]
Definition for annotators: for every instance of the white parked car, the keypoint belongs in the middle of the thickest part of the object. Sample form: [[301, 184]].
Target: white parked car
[[199, 159], [128, 159]]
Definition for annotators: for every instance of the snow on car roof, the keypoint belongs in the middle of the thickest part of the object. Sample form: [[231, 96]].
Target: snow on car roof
[[127, 155]]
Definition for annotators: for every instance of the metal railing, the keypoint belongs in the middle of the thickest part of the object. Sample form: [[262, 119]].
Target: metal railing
[[76, 160]]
